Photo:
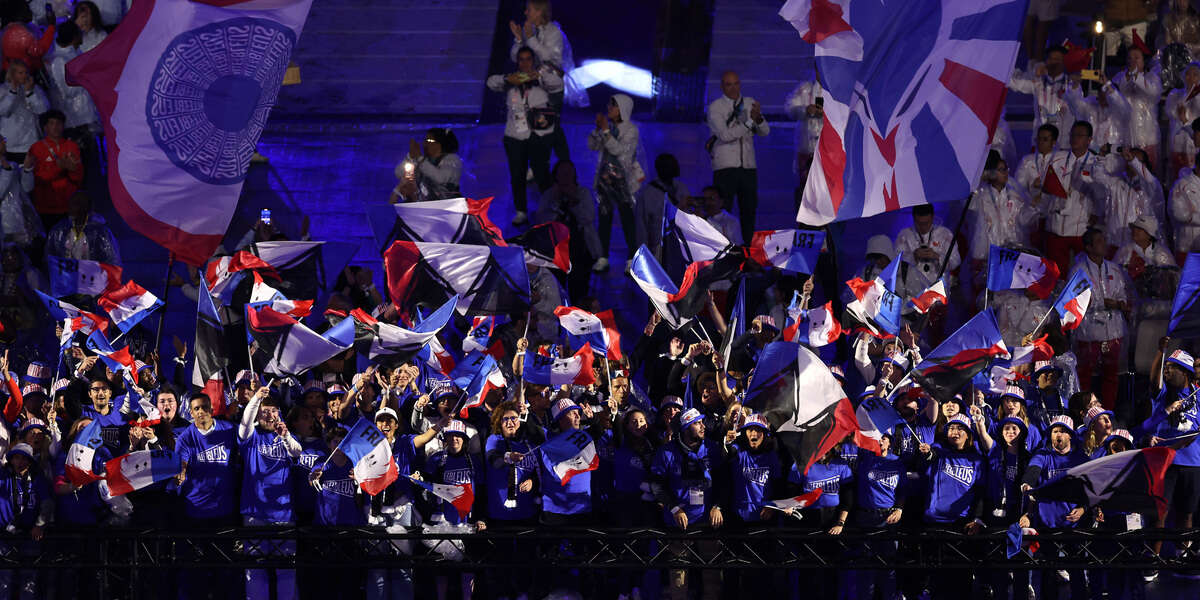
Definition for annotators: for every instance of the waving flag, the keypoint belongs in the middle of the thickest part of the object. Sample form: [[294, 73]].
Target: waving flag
[[1185, 312], [913, 92], [569, 454], [1013, 270], [792, 250], [128, 305], [196, 81], [293, 348], [369, 451], [876, 417], [261, 293], [452, 221], [1053, 185], [223, 273], [304, 269], [802, 401], [1016, 540], [116, 360], [968, 351], [584, 327], [82, 454], [737, 322], [486, 377], [678, 304], [73, 319], [932, 295], [817, 327], [69, 276], [546, 245], [546, 370], [1130, 481], [802, 501], [479, 335], [654, 282], [376, 338], [698, 239], [136, 470], [489, 280], [208, 370], [460, 495], [1076, 296], [875, 305], [435, 356]]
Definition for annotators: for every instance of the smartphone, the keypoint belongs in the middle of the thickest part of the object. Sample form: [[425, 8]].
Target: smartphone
[[1090, 74], [820, 102], [265, 216]]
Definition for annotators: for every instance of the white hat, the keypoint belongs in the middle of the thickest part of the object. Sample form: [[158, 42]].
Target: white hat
[[1146, 223], [561, 407], [455, 427], [386, 412], [881, 244], [21, 448]]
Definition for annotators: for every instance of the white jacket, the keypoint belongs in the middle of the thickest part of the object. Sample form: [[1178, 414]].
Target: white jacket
[[1001, 218], [1177, 99], [1129, 199], [1049, 104], [1154, 255], [1102, 324], [808, 127], [1110, 125], [623, 147], [1085, 180], [1143, 91], [519, 99], [1031, 172], [546, 43], [1017, 315], [19, 112], [922, 274], [73, 100], [735, 133], [1185, 211]]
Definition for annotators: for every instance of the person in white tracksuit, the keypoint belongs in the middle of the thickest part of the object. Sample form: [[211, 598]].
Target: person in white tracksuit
[[1047, 82], [1142, 86]]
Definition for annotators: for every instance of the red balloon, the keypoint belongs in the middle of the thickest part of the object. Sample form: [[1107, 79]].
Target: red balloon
[[18, 42]]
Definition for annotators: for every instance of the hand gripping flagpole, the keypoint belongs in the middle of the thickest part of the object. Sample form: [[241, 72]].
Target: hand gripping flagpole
[[521, 378]]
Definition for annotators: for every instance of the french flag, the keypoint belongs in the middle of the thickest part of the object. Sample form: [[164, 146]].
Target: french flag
[[137, 470], [128, 305], [546, 370], [117, 360], [479, 336], [460, 495], [876, 416], [74, 319], [368, 450], [1073, 301], [932, 295], [793, 250], [1013, 270], [804, 500], [598, 330], [261, 293], [82, 453], [486, 377], [570, 454], [436, 356], [69, 276], [224, 273], [657, 285], [875, 304], [822, 328]]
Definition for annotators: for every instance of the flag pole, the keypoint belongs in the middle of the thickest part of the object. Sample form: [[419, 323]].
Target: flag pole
[[962, 218], [608, 376], [162, 314], [521, 380]]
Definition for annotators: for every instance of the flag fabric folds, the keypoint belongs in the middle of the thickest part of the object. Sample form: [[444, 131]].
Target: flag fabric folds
[[551, 371], [450, 221], [486, 377], [1130, 481], [304, 269], [792, 250], [570, 454], [546, 245], [1074, 299], [804, 500], [875, 304], [82, 454], [912, 95], [208, 369], [597, 330], [116, 359], [128, 304], [1016, 540], [291, 346], [136, 470], [968, 351], [678, 304], [196, 84], [1013, 270], [815, 328], [383, 339], [801, 400], [369, 451], [698, 239], [460, 495], [654, 282], [479, 335], [69, 276], [489, 280], [876, 417], [261, 293], [931, 295], [1185, 312]]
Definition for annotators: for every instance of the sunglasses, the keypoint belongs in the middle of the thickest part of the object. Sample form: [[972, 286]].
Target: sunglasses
[[510, 419]]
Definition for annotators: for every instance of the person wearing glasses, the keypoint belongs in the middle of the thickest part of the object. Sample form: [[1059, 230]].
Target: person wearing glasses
[[102, 410]]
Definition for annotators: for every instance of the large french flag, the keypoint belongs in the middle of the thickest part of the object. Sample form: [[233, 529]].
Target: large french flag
[[128, 305], [875, 303], [69, 276], [137, 470], [816, 327], [547, 370], [185, 89], [1130, 481], [967, 352], [793, 250], [598, 330], [368, 450], [546, 245], [657, 285], [82, 454], [1013, 270], [569, 454], [293, 347], [1074, 299], [450, 221], [487, 377], [117, 359], [460, 495], [489, 280]]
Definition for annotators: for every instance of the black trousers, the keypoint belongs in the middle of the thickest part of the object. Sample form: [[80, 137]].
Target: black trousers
[[627, 226], [532, 153], [742, 184]]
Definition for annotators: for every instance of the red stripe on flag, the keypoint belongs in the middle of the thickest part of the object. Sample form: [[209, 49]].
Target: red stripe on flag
[[1072, 307], [824, 19], [689, 278], [1045, 286], [981, 92], [400, 265], [479, 210], [844, 423], [833, 163], [1157, 461]]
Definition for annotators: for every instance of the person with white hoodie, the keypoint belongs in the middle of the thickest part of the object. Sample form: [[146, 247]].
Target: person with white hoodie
[[618, 173], [21, 101]]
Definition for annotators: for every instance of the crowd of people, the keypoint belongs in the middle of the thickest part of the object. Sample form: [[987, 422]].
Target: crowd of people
[[679, 445]]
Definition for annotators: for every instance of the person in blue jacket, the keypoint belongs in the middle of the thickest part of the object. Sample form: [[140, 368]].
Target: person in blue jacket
[[569, 504], [683, 482], [305, 427], [338, 502], [755, 476], [1060, 454], [828, 514], [1117, 583], [880, 484], [511, 477], [455, 465], [1012, 404], [955, 475], [1007, 459], [632, 498], [25, 509]]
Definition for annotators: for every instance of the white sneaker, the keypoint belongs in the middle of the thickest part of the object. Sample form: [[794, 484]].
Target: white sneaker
[[529, 174], [600, 265], [521, 218], [1063, 575]]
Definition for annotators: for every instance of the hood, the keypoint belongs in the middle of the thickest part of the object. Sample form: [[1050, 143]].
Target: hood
[[624, 105]]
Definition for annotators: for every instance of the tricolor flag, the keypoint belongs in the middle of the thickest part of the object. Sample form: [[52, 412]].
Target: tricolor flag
[[597, 330], [489, 280], [654, 282], [876, 417], [968, 351], [435, 356], [1016, 540], [116, 360], [82, 454], [817, 327], [1013, 270], [678, 304], [292, 347], [208, 369], [69, 276], [698, 239], [1130, 481], [569, 454], [222, 274], [136, 470], [546, 370], [792, 250], [932, 295], [450, 221], [800, 502], [376, 338], [802, 402], [737, 322], [261, 293], [487, 377], [875, 304], [1185, 312], [305, 269], [460, 495], [478, 338], [128, 305], [905, 122], [185, 89], [73, 319], [546, 245], [368, 450], [1074, 299]]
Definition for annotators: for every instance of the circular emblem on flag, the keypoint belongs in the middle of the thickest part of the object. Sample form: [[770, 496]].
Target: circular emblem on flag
[[211, 92]]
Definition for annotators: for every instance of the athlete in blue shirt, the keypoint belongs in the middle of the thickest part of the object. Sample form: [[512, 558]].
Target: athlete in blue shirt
[[1048, 464], [338, 502]]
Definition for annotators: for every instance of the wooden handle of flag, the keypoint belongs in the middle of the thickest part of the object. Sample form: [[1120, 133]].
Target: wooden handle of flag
[[162, 310]]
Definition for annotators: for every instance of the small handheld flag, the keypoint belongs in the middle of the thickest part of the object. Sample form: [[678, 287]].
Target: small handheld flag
[[78, 467], [137, 470], [460, 495], [368, 450], [569, 454], [1073, 301]]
